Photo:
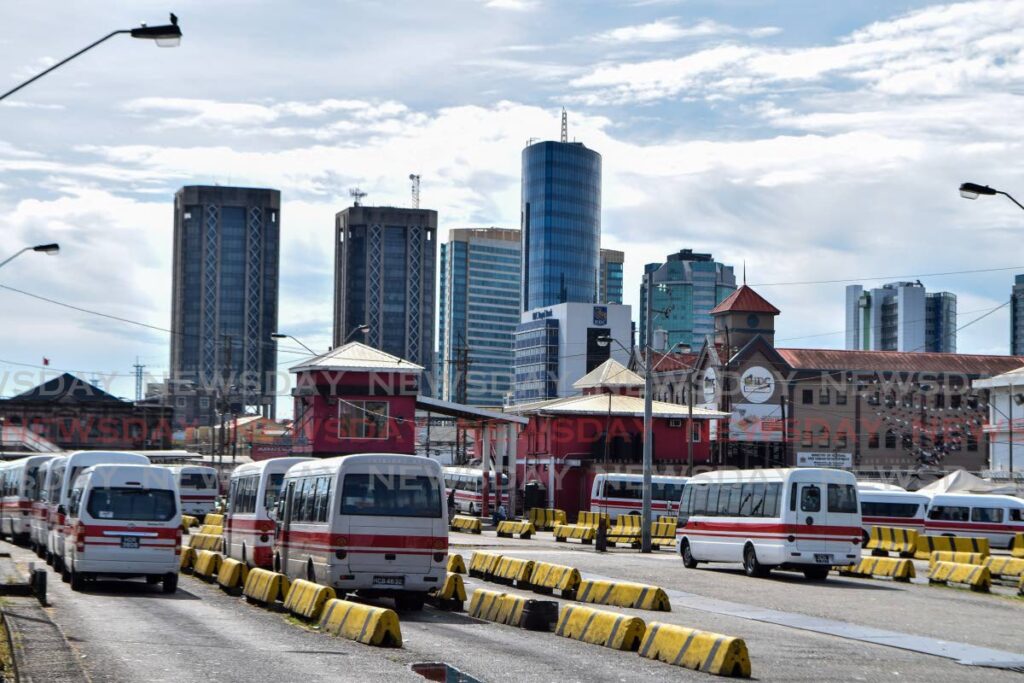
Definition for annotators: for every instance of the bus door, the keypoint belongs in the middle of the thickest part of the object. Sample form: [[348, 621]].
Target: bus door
[[811, 516], [284, 526]]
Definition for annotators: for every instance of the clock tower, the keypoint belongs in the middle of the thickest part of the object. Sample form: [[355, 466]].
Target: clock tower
[[742, 316]]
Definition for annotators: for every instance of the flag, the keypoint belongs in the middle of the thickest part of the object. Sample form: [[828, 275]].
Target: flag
[[46, 361]]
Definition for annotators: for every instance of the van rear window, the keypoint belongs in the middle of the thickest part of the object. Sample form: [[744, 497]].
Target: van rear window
[[386, 495], [131, 504]]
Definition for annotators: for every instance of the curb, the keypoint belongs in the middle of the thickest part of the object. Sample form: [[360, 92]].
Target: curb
[[32, 633]]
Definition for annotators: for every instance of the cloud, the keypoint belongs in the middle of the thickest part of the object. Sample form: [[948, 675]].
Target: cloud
[[515, 5], [668, 30]]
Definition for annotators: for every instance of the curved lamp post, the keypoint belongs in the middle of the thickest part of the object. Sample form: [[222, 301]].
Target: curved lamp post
[[168, 35], [974, 190], [50, 249]]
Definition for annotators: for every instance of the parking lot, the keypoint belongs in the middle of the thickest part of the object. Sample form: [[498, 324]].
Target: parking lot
[[794, 629]]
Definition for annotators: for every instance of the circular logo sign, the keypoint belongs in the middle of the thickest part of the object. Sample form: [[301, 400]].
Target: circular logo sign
[[757, 384], [710, 385]]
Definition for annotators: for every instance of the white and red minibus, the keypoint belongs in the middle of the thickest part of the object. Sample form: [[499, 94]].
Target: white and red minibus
[[252, 493], [802, 519], [123, 521], [198, 487], [20, 485], [373, 523], [62, 475], [467, 482], [900, 509], [995, 517], [620, 493], [42, 522]]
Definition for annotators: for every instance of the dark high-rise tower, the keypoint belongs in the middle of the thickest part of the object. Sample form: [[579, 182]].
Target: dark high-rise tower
[[561, 223], [384, 269], [224, 292], [1017, 317]]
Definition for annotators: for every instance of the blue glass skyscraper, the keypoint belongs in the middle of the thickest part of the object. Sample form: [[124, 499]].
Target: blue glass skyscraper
[[561, 223]]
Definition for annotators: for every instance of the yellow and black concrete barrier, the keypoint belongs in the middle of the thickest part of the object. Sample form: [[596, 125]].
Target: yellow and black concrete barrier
[[958, 558], [306, 599], [482, 564], [362, 623], [511, 570], [597, 627], [469, 525], [704, 651], [509, 528], [232, 574], [623, 594], [547, 577], [926, 545], [451, 596], [886, 567], [207, 564], [576, 532], [546, 518], [975, 576], [456, 565], [265, 587]]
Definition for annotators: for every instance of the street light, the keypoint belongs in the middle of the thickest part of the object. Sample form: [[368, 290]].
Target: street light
[[168, 35], [360, 329], [973, 191], [50, 249], [279, 335]]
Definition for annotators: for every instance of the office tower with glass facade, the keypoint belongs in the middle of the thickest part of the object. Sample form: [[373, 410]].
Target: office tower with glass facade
[[609, 280], [384, 268], [224, 299], [900, 316], [1017, 317], [481, 270], [561, 223], [688, 285]]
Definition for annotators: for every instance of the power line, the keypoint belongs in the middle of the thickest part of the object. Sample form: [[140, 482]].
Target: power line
[[886, 277]]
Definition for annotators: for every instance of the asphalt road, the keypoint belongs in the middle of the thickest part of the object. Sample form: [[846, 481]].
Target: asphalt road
[[127, 631]]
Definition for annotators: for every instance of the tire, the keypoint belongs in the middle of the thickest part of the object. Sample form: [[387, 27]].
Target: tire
[[816, 573], [77, 581], [410, 602], [170, 584], [687, 556], [751, 566], [65, 575]]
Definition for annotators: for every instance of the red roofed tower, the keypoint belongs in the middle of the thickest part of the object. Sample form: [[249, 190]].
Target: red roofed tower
[[741, 316]]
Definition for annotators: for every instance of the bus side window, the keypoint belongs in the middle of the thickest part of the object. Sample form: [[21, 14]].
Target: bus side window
[[771, 500], [810, 499], [684, 505], [1016, 515], [700, 500], [792, 497]]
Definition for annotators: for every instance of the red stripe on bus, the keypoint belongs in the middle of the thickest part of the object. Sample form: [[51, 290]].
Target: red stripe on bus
[[241, 524], [366, 540], [772, 528], [981, 526]]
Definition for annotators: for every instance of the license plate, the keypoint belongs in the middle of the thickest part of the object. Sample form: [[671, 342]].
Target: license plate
[[823, 558], [389, 581], [129, 541]]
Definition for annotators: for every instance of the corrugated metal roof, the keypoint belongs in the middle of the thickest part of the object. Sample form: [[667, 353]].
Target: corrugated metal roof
[[622, 406], [670, 362], [899, 361], [357, 357], [610, 373], [745, 300]]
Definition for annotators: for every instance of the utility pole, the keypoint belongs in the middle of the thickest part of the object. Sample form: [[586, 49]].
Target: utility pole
[[689, 421], [645, 523], [138, 379]]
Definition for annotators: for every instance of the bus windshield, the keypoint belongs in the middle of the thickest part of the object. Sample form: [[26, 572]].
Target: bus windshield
[[272, 490], [141, 505], [391, 495]]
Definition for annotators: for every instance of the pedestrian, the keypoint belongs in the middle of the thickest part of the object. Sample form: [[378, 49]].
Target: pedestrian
[[451, 505]]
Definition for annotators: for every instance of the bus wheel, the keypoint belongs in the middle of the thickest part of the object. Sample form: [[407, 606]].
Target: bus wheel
[[410, 602], [750, 564], [688, 560], [77, 581]]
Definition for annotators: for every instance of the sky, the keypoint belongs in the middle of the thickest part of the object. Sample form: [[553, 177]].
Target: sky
[[818, 143]]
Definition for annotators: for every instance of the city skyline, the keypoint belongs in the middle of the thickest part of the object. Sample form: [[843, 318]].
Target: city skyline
[[749, 173]]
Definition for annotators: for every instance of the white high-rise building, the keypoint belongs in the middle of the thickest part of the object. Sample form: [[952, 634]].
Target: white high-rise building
[[900, 316]]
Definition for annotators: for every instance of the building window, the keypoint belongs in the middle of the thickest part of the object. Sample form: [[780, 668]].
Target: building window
[[824, 396], [972, 442], [204, 402], [890, 439], [840, 398], [955, 400], [695, 434], [841, 439], [940, 400], [180, 402], [823, 438], [808, 396], [873, 440], [363, 420], [807, 438]]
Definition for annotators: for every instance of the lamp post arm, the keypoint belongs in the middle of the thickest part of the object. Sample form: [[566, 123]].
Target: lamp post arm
[[63, 62], [1010, 197], [14, 256]]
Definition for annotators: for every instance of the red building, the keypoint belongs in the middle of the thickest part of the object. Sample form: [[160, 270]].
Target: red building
[[570, 440], [355, 399]]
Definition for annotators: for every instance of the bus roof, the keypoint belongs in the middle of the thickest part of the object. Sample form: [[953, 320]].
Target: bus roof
[[278, 464], [979, 499], [771, 474], [327, 465]]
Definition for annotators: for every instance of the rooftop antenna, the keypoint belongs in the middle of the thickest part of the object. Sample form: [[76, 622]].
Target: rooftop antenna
[[744, 271], [415, 178], [357, 196], [565, 126]]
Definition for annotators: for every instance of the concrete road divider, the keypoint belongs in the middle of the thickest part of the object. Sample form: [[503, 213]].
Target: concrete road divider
[[623, 594], [666, 519], [958, 558], [512, 570], [362, 623], [232, 574], [214, 520], [546, 518], [584, 534], [1005, 568], [926, 545], [456, 565], [593, 519], [207, 564], [188, 521], [547, 577], [469, 525], [663, 533], [451, 596], [887, 539], [306, 599], [509, 528], [265, 587], [206, 542], [598, 627], [211, 530], [1017, 549], [888, 567], [497, 606], [626, 531], [977, 577], [482, 565], [188, 558], [698, 650]]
